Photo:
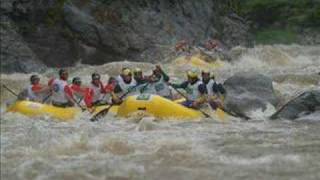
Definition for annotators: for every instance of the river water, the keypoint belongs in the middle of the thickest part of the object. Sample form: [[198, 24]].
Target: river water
[[41, 148]]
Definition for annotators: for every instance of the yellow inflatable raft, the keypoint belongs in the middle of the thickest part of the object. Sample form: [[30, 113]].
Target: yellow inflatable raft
[[33, 109], [198, 61], [156, 106], [143, 104]]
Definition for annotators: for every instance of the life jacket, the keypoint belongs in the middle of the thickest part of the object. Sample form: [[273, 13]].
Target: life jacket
[[78, 92], [193, 91], [97, 92], [126, 87], [33, 96], [58, 92], [161, 88], [209, 86]]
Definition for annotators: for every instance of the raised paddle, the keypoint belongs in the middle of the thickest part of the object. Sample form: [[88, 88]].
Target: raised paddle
[[8, 89], [105, 111]]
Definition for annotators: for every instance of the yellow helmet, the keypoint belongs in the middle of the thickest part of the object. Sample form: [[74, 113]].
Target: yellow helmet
[[205, 71], [126, 72], [137, 70], [192, 74]]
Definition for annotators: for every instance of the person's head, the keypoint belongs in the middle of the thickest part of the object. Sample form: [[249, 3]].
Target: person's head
[[63, 74], [192, 76], [137, 74], [157, 72], [153, 78], [76, 81], [112, 80], [126, 75], [95, 77], [34, 79], [205, 75]]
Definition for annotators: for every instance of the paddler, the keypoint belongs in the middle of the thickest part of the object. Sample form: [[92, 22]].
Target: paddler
[[36, 91], [215, 91], [138, 76], [62, 95], [126, 85], [196, 91], [159, 82], [96, 93], [78, 90]]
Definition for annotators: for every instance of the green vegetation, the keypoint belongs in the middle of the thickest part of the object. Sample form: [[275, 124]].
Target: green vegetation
[[278, 20], [107, 2], [270, 36], [286, 12]]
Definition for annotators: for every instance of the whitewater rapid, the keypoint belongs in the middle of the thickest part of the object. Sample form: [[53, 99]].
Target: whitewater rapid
[[41, 148]]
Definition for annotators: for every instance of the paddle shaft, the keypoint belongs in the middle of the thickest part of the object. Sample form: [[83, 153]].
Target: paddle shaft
[[8, 89], [204, 113], [222, 108], [274, 116], [47, 97], [106, 110]]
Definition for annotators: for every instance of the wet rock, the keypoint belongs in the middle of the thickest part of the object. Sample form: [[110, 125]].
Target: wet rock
[[16, 55], [103, 40], [149, 28], [61, 33], [305, 104], [235, 30], [249, 91]]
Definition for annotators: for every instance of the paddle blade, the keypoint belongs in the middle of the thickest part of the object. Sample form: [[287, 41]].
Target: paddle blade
[[221, 114], [100, 114]]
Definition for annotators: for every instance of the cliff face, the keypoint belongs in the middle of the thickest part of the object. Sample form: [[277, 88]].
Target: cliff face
[[61, 33]]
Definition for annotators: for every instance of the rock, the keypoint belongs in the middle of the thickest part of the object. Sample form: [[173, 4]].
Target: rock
[[249, 91], [54, 50], [61, 33], [148, 28], [105, 40], [305, 104], [235, 31], [15, 54]]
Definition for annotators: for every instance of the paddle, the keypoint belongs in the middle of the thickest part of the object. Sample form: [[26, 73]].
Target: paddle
[[204, 113], [8, 89], [47, 97], [274, 116], [105, 111], [239, 115], [78, 104]]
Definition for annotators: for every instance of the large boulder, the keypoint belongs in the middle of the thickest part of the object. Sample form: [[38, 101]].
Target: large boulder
[[249, 91], [102, 43], [16, 56], [305, 104], [62, 33], [147, 30]]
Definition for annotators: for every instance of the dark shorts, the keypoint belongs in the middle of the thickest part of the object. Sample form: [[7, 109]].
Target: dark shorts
[[187, 103], [99, 103], [63, 105]]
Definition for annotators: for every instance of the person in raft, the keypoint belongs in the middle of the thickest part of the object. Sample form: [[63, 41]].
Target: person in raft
[[62, 95], [159, 82], [139, 77], [36, 91], [79, 91], [97, 92], [196, 91], [126, 85], [215, 91]]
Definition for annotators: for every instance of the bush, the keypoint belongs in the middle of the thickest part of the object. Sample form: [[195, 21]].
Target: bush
[[270, 36], [265, 13]]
